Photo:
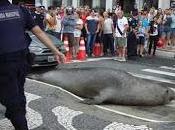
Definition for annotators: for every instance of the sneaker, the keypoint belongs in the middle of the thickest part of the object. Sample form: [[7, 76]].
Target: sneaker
[[123, 59], [117, 58], [141, 55]]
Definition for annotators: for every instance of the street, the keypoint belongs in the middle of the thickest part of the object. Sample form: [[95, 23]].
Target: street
[[51, 107], [95, 64]]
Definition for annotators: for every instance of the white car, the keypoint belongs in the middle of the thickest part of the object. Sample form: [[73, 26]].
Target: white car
[[42, 55]]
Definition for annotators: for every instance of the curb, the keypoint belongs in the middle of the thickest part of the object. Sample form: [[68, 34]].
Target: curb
[[165, 54]]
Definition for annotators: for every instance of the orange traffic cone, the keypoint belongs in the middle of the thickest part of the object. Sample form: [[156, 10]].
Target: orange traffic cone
[[82, 50], [97, 50], [68, 55], [160, 43]]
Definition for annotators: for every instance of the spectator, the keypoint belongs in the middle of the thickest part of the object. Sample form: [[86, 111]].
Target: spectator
[[108, 31], [39, 17], [134, 11], [159, 12], [109, 12], [151, 14], [92, 28], [145, 24], [153, 32], [140, 15], [118, 8], [145, 6], [160, 26], [84, 14], [131, 38], [51, 20], [58, 27], [141, 39], [77, 31], [99, 34], [173, 28], [120, 34], [62, 11], [69, 24], [167, 20]]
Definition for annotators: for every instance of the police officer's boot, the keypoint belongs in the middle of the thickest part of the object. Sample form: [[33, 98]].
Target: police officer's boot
[[19, 122]]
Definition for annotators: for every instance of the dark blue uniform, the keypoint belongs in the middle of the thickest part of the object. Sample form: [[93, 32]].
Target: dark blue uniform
[[14, 20]]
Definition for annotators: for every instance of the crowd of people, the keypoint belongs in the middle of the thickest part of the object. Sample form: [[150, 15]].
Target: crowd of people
[[140, 33]]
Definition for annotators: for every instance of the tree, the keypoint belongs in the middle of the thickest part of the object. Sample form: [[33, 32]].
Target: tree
[[128, 5]]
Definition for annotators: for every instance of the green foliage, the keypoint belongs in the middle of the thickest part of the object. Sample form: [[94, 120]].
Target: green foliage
[[128, 5], [127, 14]]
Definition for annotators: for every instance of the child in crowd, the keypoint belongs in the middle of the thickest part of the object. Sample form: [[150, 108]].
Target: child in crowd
[[141, 39]]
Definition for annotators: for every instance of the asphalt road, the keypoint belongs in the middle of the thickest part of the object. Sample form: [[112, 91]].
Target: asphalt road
[[53, 108]]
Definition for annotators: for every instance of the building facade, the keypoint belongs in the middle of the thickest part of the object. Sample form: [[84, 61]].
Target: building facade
[[76, 3], [105, 4]]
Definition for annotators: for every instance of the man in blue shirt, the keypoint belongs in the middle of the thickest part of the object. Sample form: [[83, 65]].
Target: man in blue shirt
[[92, 28], [14, 57]]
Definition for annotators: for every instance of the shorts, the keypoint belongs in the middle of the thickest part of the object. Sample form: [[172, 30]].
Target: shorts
[[141, 40], [166, 34], [77, 33], [173, 32], [120, 41]]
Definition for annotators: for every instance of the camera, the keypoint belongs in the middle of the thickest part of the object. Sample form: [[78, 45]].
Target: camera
[[69, 10]]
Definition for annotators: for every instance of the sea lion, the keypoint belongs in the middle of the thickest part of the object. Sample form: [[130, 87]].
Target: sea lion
[[100, 85]]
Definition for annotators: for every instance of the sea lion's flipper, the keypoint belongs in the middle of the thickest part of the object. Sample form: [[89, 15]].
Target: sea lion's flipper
[[92, 101], [103, 96]]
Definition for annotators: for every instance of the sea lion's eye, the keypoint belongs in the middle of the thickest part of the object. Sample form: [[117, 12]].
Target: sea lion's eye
[[167, 91]]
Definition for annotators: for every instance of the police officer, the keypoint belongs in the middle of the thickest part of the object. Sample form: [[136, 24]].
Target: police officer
[[14, 20]]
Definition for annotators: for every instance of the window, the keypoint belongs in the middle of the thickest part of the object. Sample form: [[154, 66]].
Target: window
[[69, 2], [86, 2], [57, 3], [103, 4], [172, 3]]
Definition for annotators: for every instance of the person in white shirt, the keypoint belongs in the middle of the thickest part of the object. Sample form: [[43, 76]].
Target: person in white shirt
[[120, 35], [108, 30], [58, 25], [77, 31], [118, 9]]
